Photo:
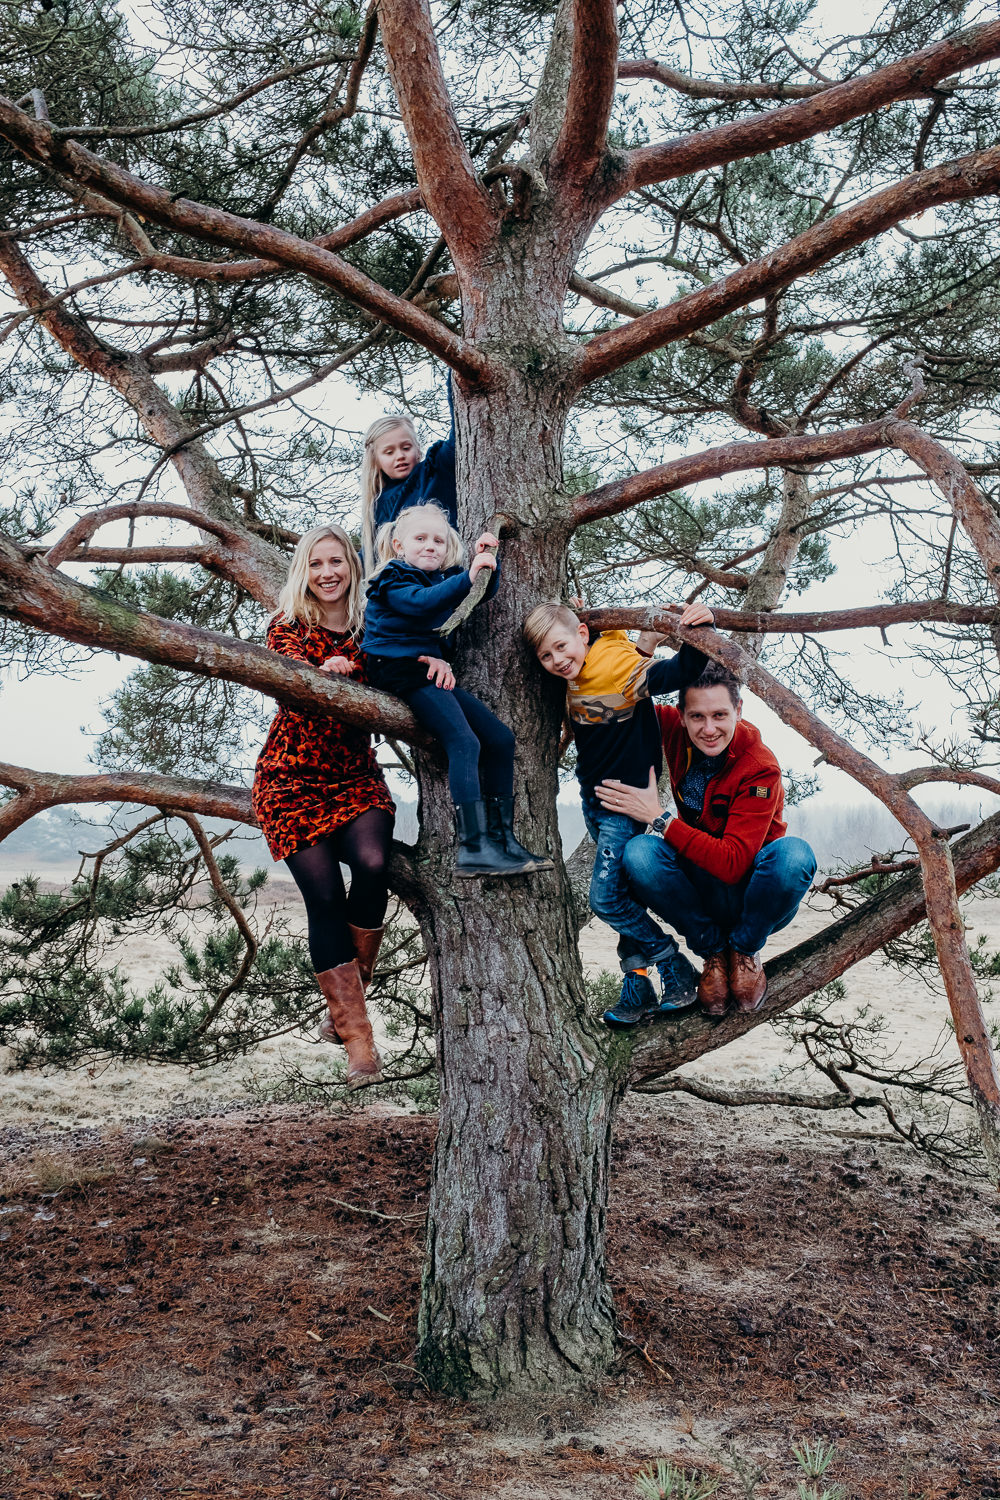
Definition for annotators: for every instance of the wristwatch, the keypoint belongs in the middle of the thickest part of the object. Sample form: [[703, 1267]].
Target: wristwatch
[[659, 824]]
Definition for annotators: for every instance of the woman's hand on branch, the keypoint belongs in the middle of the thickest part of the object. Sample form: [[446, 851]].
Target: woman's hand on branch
[[479, 562], [338, 666], [486, 540], [439, 673]]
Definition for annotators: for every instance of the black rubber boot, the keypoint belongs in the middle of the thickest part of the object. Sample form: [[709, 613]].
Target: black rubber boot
[[477, 852], [500, 827]]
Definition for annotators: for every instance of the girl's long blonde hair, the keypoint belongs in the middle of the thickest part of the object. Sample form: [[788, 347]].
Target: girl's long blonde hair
[[372, 479], [395, 531], [296, 600]]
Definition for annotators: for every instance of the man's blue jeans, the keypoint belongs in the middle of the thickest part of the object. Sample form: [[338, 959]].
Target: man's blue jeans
[[640, 939], [711, 915]]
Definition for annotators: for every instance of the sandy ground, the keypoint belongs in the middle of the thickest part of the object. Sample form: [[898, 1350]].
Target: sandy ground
[[90, 1097]]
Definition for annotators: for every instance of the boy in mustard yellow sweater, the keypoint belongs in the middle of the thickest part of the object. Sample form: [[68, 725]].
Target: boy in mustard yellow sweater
[[610, 684]]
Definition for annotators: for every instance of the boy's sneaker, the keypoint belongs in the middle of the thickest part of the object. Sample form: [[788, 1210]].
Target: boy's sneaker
[[637, 1002], [679, 981]]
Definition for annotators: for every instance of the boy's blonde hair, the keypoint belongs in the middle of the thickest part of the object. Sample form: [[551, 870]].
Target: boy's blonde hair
[[545, 617], [372, 479], [296, 600], [395, 531]]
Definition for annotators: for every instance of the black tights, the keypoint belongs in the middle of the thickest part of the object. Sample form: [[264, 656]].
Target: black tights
[[362, 845]]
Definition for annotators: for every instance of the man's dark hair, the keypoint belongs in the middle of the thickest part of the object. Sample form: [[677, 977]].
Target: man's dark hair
[[713, 675]]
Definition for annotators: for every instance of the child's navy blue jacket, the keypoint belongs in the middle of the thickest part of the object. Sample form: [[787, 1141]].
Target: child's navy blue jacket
[[405, 605], [432, 480]]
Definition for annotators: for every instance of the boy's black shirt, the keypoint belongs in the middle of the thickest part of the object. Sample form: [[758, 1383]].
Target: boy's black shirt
[[611, 710]]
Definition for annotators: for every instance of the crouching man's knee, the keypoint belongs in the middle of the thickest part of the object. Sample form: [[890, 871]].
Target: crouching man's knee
[[649, 861], [790, 863]]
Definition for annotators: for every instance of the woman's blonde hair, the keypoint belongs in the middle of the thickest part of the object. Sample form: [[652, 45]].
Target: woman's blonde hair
[[372, 479], [297, 601], [395, 531]]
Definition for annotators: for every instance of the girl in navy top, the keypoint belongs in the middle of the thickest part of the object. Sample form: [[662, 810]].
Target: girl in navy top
[[395, 476], [419, 581]]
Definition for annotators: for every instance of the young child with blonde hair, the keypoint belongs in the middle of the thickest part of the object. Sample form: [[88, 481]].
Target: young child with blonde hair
[[395, 475], [419, 581]]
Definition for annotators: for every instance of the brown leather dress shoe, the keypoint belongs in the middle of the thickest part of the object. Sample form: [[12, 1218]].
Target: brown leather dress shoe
[[713, 986], [747, 981]]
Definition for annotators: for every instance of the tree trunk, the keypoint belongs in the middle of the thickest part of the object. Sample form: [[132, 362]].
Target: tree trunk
[[514, 1295]]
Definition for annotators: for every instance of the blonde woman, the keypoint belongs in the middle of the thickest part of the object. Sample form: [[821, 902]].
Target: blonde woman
[[320, 797], [395, 475]]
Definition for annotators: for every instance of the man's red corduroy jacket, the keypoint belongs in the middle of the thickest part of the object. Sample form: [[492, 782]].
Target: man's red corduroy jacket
[[743, 804]]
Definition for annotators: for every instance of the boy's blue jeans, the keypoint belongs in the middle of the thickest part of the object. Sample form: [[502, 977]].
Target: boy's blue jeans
[[640, 939], [711, 915]]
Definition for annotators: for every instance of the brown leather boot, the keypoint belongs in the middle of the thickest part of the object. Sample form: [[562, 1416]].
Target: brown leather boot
[[345, 998], [367, 941], [747, 981], [713, 986]]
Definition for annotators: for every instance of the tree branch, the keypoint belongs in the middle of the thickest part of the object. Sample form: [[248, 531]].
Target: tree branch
[[39, 596], [83, 529], [37, 142], [873, 616], [452, 192], [590, 94], [633, 69], [198, 117], [952, 479], [913, 75], [38, 790], [224, 271], [729, 458], [968, 177]]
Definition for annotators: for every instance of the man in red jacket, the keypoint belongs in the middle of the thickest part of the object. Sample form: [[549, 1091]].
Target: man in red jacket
[[723, 872]]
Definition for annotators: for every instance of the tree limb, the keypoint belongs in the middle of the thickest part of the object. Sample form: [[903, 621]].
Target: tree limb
[[968, 177], [38, 790], [84, 528], [46, 599], [37, 142], [452, 192], [873, 616], [770, 129], [728, 458], [590, 94], [632, 69]]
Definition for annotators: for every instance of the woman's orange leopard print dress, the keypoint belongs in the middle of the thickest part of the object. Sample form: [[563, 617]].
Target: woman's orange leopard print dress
[[313, 774]]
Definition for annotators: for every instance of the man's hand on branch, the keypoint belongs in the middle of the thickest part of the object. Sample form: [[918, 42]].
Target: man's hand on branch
[[439, 673], [640, 803]]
